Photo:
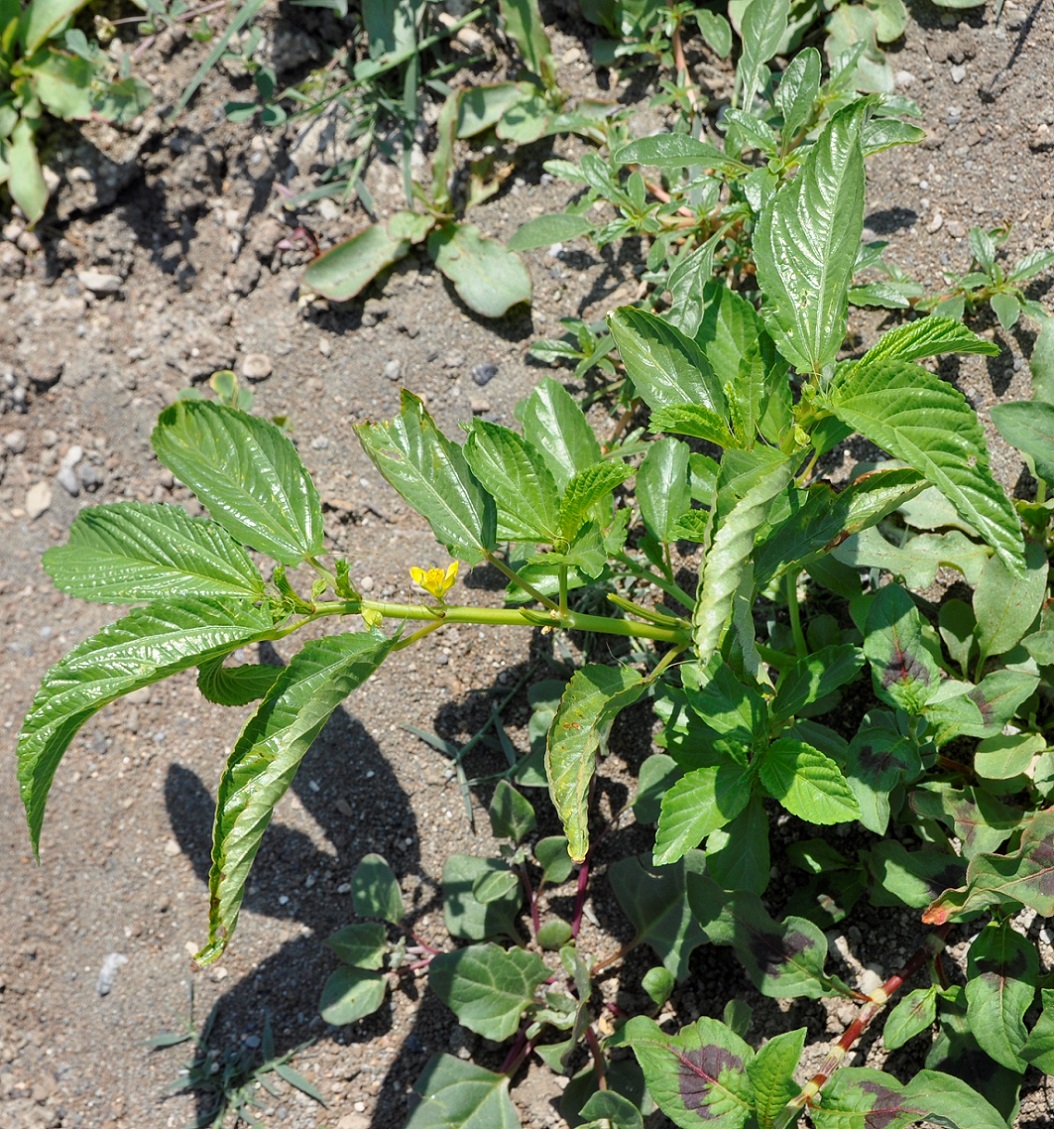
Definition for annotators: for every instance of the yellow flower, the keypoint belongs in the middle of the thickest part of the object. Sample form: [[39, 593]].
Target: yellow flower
[[435, 581]]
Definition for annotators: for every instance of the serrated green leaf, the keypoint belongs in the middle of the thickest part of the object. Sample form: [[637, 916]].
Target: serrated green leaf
[[488, 277], [487, 987], [350, 994], [796, 94], [127, 551], [694, 420], [725, 703], [247, 473], [1028, 425], [266, 757], [737, 855], [362, 945], [431, 473], [916, 1012], [805, 246], [763, 26], [1002, 972], [588, 487], [814, 677], [593, 698], [654, 900], [674, 151], [697, 1076], [344, 271], [821, 518], [235, 685], [555, 425], [923, 420], [807, 783], [459, 1095], [375, 890], [928, 337], [515, 475], [1006, 605], [142, 648], [771, 1074], [700, 802], [724, 565], [662, 486], [667, 367]]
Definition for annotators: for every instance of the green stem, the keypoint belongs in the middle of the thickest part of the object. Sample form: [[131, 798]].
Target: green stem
[[562, 572], [515, 577], [668, 586], [779, 659], [790, 581]]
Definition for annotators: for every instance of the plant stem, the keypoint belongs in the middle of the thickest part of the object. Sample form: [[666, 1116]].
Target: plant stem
[[580, 897], [791, 589], [668, 586], [598, 1058], [514, 576]]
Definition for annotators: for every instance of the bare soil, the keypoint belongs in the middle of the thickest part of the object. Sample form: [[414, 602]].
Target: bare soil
[[168, 255]]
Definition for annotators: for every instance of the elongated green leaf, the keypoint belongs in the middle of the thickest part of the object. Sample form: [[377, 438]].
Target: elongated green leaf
[[805, 246], [431, 473], [1039, 1050], [587, 489], [949, 1102], [43, 19], [1006, 605], [771, 1073], [547, 230], [1041, 363], [764, 24], [516, 476], [807, 783], [694, 420], [589, 706], [904, 672], [247, 473], [916, 1012], [1025, 877], [458, 1095], [25, 176], [1028, 425], [235, 685], [923, 420], [698, 1076], [556, 426], [820, 518], [662, 486], [928, 337], [667, 368], [488, 277], [796, 93], [344, 271], [375, 890], [700, 802], [523, 23], [654, 899], [147, 645], [350, 993], [1002, 974], [674, 151], [911, 878], [266, 757], [728, 556], [487, 987], [737, 855], [127, 551]]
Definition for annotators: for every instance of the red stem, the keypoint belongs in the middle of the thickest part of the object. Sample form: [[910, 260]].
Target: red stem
[[580, 897]]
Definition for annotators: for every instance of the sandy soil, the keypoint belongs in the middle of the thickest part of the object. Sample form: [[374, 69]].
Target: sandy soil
[[174, 258]]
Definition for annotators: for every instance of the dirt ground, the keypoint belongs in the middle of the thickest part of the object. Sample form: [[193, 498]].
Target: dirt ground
[[167, 256]]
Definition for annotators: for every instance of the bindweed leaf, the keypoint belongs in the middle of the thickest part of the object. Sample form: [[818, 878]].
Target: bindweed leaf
[[375, 890], [458, 1095], [431, 473], [350, 994], [488, 277], [465, 915], [128, 552], [247, 473], [487, 987], [266, 757], [344, 271], [593, 698], [362, 945]]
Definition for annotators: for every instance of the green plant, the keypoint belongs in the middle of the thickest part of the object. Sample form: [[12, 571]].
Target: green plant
[[230, 1080], [988, 281], [47, 68], [804, 679]]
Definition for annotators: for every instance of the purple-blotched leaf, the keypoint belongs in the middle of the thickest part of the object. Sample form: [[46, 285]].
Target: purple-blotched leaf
[[981, 821], [911, 878], [905, 674], [1002, 971], [880, 757], [698, 1076], [1025, 877]]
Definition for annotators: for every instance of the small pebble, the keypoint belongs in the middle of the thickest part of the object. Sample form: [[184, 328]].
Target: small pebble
[[958, 73], [38, 500], [935, 224], [256, 366], [108, 973], [15, 442], [99, 282], [68, 480], [484, 373], [392, 370]]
